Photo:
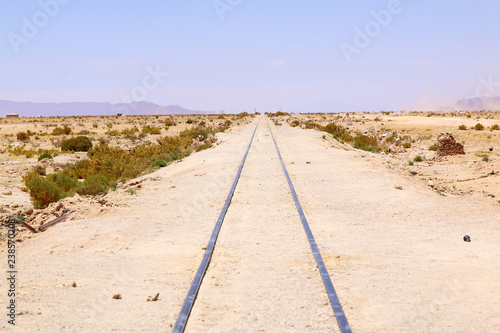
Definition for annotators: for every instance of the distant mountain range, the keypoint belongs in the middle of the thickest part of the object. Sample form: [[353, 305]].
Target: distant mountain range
[[28, 109], [479, 103]]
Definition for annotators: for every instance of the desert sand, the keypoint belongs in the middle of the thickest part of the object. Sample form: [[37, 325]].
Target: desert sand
[[393, 246]]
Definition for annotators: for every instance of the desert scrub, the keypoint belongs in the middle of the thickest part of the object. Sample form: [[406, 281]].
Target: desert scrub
[[19, 150], [22, 136], [106, 165], [494, 127], [433, 147], [359, 141], [479, 127], [418, 158], [95, 184], [42, 191], [365, 142], [160, 163], [44, 155], [113, 133], [80, 143], [170, 122], [61, 131], [462, 127]]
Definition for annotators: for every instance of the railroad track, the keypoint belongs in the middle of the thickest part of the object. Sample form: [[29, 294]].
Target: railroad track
[[189, 302]]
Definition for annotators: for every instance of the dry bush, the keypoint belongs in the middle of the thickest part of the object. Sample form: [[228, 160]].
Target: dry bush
[[61, 131], [22, 136], [80, 143]]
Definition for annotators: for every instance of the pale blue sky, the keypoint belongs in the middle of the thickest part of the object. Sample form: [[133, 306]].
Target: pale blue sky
[[267, 55]]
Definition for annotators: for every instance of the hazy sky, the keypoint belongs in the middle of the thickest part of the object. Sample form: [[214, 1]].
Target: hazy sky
[[237, 55]]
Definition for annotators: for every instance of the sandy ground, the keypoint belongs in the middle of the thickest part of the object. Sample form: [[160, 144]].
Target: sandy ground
[[396, 257]]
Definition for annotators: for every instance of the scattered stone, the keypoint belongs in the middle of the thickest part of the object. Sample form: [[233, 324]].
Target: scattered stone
[[491, 149], [447, 145], [74, 285], [430, 183], [117, 296], [398, 187], [413, 173], [466, 238], [154, 298]]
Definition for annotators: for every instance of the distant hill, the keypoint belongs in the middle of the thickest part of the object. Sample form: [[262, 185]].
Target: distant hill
[[28, 109], [479, 103]]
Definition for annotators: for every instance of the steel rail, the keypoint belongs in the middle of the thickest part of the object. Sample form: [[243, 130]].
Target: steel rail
[[187, 306], [332, 295]]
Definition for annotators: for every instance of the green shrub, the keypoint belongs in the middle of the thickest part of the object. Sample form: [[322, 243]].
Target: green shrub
[[160, 163], [80, 143], [44, 192], [418, 158], [94, 185], [44, 155], [433, 147], [64, 181]]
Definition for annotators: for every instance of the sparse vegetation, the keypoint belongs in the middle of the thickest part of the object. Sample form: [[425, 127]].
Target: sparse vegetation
[[80, 143], [462, 127], [44, 155], [66, 130], [418, 158], [479, 127], [22, 136], [106, 164]]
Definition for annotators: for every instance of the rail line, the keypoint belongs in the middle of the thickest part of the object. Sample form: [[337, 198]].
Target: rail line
[[332, 294], [181, 322], [189, 301]]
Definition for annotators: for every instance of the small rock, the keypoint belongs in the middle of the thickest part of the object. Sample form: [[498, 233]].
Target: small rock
[[491, 149], [398, 187], [413, 173], [466, 238], [154, 298], [430, 183]]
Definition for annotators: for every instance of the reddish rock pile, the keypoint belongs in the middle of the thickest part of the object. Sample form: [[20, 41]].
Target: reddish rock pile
[[447, 145]]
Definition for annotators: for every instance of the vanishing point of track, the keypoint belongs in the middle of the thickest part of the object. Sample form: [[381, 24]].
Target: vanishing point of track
[[189, 301]]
